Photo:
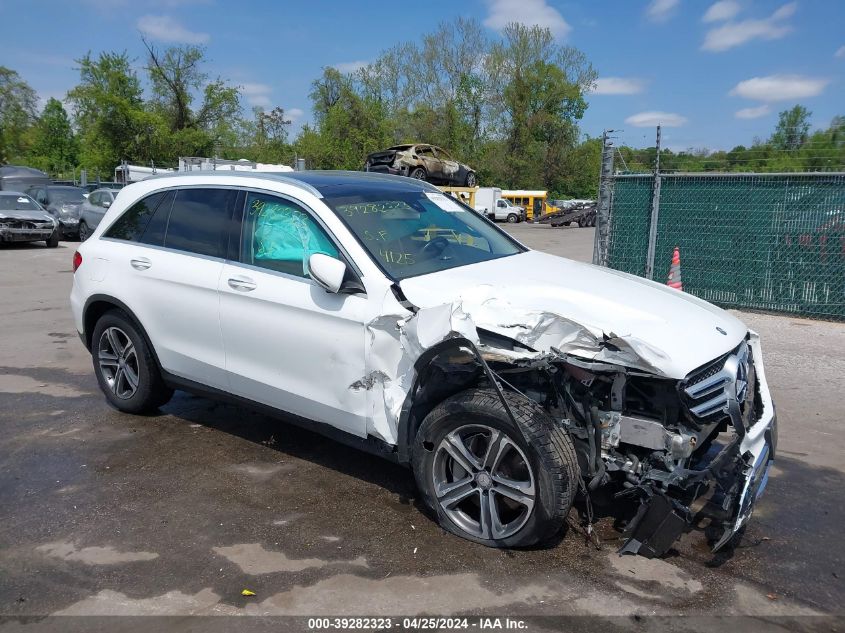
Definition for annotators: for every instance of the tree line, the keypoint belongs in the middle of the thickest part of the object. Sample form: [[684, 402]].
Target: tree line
[[509, 106]]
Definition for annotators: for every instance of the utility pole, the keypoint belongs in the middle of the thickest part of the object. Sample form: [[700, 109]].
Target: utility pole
[[603, 206], [655, 213]]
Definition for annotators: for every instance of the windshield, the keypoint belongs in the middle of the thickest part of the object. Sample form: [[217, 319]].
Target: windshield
[[17, 202], [410, 233], [67, 196]]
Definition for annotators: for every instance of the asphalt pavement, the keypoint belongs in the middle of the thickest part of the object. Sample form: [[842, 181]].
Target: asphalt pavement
[[177, 513]]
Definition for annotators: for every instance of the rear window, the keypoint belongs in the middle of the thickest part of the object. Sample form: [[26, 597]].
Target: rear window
[[199, 221], [131, 225]]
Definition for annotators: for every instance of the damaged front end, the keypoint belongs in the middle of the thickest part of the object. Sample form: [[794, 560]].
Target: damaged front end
[[683, 453], [662, 455]]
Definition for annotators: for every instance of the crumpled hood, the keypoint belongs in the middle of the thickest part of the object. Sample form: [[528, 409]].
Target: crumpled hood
[[595, 313], [26, 214]]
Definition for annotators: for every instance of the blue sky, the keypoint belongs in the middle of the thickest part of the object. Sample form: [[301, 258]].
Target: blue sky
[[714, 73]]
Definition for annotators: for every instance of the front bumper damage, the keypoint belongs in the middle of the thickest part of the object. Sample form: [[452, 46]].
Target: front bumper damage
[[722, 484], [25, 230]]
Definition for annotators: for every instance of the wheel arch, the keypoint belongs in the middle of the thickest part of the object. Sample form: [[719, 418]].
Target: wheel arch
[[419, 402], [96, 306]]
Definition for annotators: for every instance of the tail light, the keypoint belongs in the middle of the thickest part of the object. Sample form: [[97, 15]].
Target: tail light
[[77, 260]]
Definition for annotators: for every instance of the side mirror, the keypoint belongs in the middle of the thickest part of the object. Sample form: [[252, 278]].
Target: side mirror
[[327, 271], [106, 204]]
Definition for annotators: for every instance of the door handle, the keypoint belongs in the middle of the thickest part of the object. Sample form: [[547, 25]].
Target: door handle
[[242, 284], [140, 263]]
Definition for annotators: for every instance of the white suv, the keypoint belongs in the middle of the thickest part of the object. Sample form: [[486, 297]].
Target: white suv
[[375, 308]]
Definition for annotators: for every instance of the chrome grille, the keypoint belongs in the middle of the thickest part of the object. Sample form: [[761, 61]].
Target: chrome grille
[[710, 390]]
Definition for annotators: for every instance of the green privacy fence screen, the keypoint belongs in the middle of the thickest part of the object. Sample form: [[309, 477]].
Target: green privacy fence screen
[[772, 242]]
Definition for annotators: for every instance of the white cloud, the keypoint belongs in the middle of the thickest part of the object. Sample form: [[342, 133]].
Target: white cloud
[[840, 52], [257, 94], [653, 117], [661, 10], [720, 11], [780, 87], [529, 12], [293, 114], [165, 29], [753, 113], [618, 86], [733, 34], [350, 67]]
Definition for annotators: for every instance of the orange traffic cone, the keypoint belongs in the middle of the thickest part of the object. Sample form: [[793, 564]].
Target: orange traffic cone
[[675, 271]]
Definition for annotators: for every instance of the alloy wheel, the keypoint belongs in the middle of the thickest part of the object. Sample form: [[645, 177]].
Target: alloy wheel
[[118, 361], [483, 481]]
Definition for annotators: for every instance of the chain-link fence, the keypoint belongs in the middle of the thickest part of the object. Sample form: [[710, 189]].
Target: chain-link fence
[[772, 242]]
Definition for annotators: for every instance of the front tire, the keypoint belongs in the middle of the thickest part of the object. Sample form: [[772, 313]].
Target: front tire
[[418, 173], [53, 240], [84, 231], [513, 218], [471, 180], [124, 365], [489, 481]]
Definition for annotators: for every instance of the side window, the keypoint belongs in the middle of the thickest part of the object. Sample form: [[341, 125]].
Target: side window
[[199, 221], [280, 235], [94, 198], [130, 226]]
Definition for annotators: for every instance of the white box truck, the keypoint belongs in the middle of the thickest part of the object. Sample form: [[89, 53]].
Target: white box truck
[[489, 201]]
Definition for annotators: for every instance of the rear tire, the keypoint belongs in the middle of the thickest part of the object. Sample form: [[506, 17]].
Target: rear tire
[[84, 231], [125, 367], [418, 173], [513, 218], [471, 180], [53, 240], [525, 475]]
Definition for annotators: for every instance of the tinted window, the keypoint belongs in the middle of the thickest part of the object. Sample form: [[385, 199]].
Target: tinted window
[[157, 226], [130, 226], [94, 199], [280, 235], [199, 221]]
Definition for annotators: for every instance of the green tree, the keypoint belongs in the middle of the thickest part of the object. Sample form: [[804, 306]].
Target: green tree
[[17, 113], [348, 125], [792, 130], [54, 146], [542, 100], [177, 80], [108, 108]]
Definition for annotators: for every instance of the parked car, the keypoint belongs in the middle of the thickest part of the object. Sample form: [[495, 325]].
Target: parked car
[[423, 162], [361, 305], [63, 203], [93, 209], [23, 220], [17, 178]]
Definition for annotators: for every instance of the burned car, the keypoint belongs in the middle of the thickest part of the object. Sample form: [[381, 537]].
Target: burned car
[[23, 220], [362, 306], [423, 162]]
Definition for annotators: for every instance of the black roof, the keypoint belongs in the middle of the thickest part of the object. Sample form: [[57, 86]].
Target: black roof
[[329, 182], [321, 182]]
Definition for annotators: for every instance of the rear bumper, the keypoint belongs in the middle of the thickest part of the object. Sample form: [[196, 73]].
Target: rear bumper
[[721, 486], [388, 169]]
